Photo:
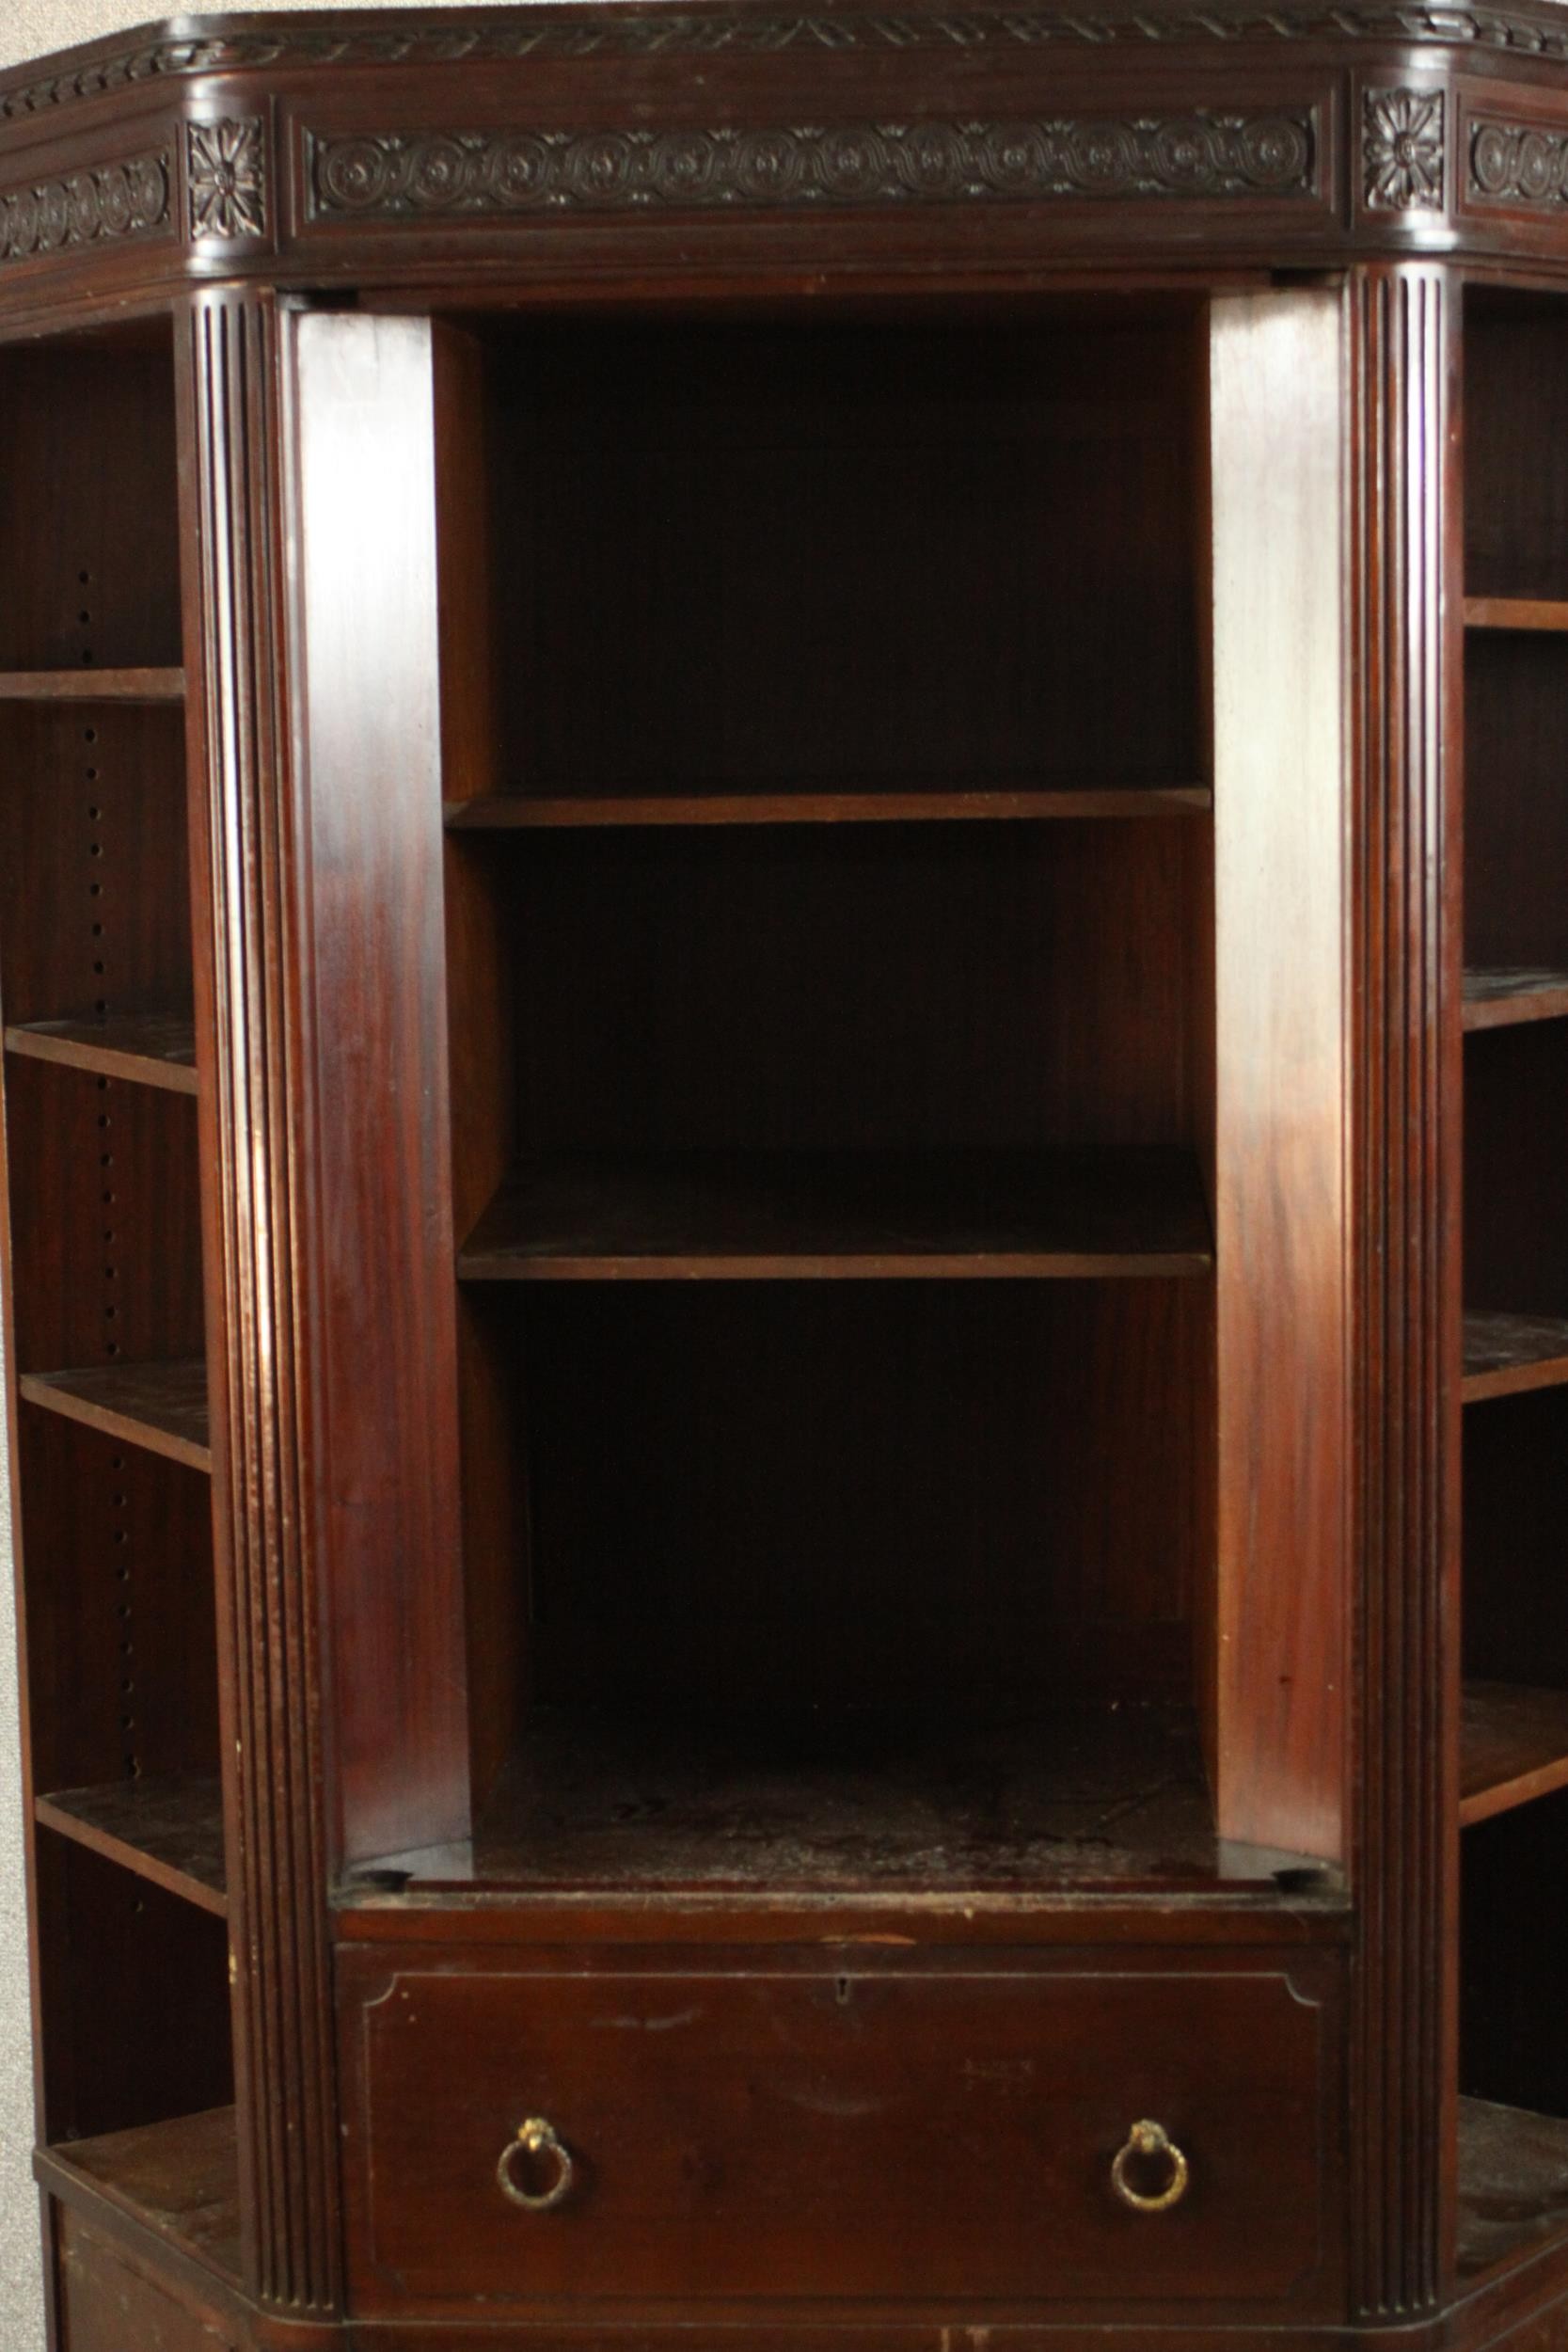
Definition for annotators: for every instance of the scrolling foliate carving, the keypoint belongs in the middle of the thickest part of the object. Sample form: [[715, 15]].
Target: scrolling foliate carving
[[1403, 150], [226, 170], [1517, 163], [434, 173], [114, 201]]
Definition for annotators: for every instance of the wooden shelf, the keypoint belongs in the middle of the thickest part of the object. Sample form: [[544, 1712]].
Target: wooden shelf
[[860, 1801], [88, 685], [162, 1407], [1513, 1747], [1514, 613], [169, 1831], [1504, 999], [181, 2180], [1513, 2184], [853, 1216], [1509, 1355], [151, 1049], [810, 805]]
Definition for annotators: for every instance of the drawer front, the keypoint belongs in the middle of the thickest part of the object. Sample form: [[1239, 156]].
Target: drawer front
[[892, 2134]]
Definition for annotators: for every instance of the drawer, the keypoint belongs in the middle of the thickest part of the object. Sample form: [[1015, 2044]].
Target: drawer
[[898, 2133]]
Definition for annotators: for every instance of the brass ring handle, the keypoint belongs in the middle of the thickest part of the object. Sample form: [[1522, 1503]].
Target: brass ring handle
[[1150, 2139], [537, 2138]]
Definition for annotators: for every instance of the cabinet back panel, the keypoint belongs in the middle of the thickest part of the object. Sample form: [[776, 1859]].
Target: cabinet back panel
[[94, 903], [106, 1220], [764, 554], [1515, 1511], [1515, 1152], [122, 1647], [812, 988], [1516, 446], [1514, 1947], [160, 2046], [1516, 799], [785, 1497], [88, 510]]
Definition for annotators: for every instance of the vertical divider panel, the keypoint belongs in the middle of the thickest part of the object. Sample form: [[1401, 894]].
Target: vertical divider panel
[[1277, 451], [364, 638]]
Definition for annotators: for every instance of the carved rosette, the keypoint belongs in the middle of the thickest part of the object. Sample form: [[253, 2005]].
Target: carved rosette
[[1199, 155], [115, 200], [1403, 150], [1517, 163], [225, 177]]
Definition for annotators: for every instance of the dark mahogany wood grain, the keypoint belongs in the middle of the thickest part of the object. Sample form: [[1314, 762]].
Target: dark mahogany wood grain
[[168, 1831], [92, 826], [1514, 1748], [1282, 1215], [1515, 612], [1501, 999], [1509, 1355], [845, 1216], [386, 1500], [1513, 2184], [87, 518], [117, 1562], [92, 685], [110, 2063], [1406, 1043], [509, 812], [853, 1803], [587, 704], [899, 490], [162, 1406], [920, 2120], [180, 2178], [105, 1218], [718, 1474], [228, 360], [155, 1050], [107, 2297]]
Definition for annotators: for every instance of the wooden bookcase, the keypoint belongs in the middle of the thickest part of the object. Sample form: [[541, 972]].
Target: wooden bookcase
[[784, 961]]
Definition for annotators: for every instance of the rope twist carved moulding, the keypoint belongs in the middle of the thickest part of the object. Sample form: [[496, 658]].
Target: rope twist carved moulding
[[630, 35], [1196, 155]]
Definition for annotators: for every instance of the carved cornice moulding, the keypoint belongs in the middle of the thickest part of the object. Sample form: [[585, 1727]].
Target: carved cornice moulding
[[250, 46]]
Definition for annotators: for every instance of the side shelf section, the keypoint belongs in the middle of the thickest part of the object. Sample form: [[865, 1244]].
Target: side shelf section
[[105, 1341]]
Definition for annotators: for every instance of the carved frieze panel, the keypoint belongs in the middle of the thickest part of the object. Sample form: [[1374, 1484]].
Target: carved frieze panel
[[463, 173], [1518, 164], [98, 204]]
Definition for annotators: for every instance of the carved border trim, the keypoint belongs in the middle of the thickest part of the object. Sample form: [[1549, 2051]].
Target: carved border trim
[[101, 202], [430, 174], [1516, 164], [655, 33]]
